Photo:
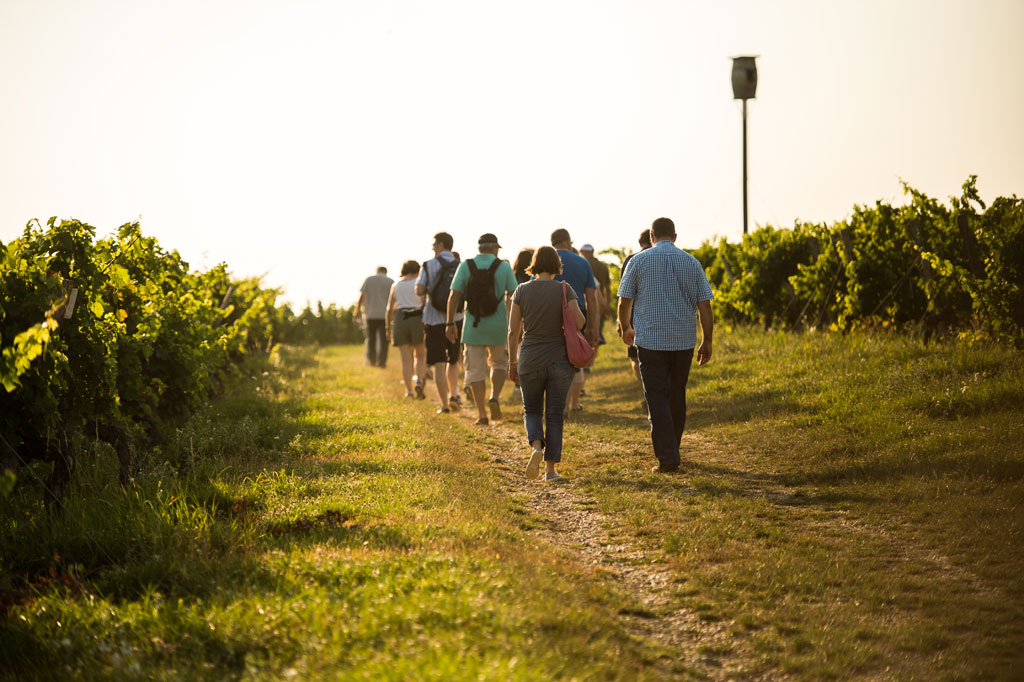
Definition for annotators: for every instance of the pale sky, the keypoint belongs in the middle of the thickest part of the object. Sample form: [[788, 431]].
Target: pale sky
[[312, 141]]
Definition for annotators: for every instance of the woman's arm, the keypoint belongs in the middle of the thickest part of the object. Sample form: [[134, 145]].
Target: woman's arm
[[515, 326]]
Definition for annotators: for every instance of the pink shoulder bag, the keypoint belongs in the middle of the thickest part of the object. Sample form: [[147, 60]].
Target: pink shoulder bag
[[580, 352]]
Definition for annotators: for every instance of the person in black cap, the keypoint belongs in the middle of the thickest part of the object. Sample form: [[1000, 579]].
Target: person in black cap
[[486, 283]]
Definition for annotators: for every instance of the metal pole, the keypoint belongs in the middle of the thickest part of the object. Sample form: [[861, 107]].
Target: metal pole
[[744, 167]]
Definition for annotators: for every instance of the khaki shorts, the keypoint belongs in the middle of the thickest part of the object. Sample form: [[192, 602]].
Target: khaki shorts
[[479, 357]]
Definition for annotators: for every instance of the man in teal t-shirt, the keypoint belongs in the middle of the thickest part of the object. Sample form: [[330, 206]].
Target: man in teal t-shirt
[[484, 337]]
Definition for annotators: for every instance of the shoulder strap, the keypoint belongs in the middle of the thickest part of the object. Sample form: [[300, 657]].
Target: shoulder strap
[[495, 264], [472, 266]]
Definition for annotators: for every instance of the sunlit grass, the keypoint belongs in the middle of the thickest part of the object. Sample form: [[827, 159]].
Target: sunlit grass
[[314, 528], [852, 503]]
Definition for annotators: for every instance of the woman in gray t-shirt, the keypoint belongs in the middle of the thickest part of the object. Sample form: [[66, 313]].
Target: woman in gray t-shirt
[[541, 364]]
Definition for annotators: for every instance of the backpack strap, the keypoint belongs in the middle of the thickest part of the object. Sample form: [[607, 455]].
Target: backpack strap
[[472, 267]]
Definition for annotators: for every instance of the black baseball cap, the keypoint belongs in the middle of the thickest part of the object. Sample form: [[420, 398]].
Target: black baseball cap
[[488, 239]]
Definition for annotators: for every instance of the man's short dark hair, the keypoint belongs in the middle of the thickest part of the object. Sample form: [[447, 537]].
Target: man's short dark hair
[[662, 228], [446, 240], [560, 235], [645, 237], [382, 270]]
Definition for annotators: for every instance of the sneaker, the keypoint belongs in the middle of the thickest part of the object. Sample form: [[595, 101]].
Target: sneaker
[[482, 421], [467, 390], [662, 470], [533, 468], [454, 404], [495, 409], [409, 395], [420, 395], [553, 476], [443, 410]]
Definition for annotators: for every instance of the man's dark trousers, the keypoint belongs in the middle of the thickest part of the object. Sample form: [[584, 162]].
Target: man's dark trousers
[[665, 373], [377, 342]]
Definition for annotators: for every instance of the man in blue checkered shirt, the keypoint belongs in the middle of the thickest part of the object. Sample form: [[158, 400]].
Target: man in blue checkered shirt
[[662, 291]]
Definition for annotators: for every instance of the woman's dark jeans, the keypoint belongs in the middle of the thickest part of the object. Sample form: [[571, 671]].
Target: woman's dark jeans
[[552, 381]]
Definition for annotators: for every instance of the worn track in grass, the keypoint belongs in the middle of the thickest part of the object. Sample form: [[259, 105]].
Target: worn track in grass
[[571, 523]]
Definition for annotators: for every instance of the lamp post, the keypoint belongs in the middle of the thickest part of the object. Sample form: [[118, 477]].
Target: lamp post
[[744, 85]]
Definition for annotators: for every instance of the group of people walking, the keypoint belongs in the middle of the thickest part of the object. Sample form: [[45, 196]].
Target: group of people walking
[[508, 322]]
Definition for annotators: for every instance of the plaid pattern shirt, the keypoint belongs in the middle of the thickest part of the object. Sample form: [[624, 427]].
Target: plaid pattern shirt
[[666, 284]]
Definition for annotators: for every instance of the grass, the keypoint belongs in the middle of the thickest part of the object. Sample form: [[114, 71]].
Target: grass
[[310, 526], [851, 508], [853, 505]]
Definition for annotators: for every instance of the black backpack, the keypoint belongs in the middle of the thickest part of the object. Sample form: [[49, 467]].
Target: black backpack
[[443, 285], [480, 298]]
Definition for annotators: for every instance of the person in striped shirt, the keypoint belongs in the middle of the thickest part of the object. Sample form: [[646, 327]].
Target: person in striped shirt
[[662, 294]]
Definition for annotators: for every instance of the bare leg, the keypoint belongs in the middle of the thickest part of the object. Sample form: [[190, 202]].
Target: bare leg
[[574, 394], [406, 351], [453, 379], [441, 372], [497, 382], [420, 364], [478, 399]]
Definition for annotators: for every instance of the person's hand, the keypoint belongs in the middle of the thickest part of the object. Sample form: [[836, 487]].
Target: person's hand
[[449, 331], [704, 353], [388, 334], [513, 372], [592, 337], [628, 335]]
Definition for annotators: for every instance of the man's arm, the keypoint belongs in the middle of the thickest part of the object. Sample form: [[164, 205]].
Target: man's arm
[[707, 327], [454, 298], [625, 324], [359, 305], [421, 281], [592, 332]]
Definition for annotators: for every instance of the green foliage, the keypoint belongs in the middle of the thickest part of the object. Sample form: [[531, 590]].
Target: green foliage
[[946, 270], [148, 339]]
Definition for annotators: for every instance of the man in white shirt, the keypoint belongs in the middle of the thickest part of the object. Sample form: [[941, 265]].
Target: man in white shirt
[[442, 355]]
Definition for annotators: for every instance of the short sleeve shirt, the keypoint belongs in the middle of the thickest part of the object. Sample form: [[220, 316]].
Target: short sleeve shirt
[[578, 273], [493, 329], [666, 284], [540, 302], [428, 275], [405, 296], [601, 273], [375, 292]]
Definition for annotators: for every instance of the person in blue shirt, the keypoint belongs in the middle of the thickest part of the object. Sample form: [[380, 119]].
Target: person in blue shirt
[[662, 292], [580, 276]]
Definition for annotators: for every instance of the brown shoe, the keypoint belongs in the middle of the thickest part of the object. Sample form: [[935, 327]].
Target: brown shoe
[[661, 470], [495, 409], [482, 421]]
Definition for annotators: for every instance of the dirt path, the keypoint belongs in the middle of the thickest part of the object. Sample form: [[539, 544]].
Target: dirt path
[[573, 525]]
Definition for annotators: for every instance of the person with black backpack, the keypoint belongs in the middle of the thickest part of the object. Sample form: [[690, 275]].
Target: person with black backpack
[[486, 284], [443, 355]]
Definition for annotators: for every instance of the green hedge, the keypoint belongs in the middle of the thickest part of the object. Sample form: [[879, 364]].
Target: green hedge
[[941, 269], [147, 341]]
